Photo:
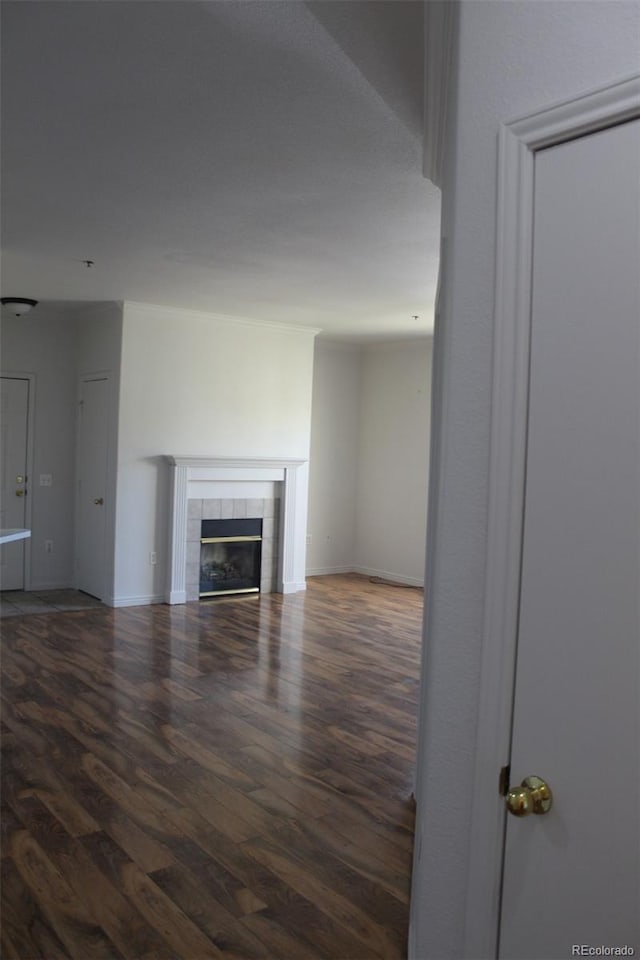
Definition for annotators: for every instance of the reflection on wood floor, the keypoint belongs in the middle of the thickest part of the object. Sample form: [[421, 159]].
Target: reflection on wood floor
[[229, 778]]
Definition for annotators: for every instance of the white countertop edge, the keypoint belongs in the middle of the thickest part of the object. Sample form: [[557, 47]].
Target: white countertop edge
[[7, 536]]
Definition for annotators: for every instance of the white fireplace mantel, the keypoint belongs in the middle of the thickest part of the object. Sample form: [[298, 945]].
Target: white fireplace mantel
[[188, 472]]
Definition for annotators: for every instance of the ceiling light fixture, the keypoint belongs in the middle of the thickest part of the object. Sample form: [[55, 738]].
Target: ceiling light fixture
[[18, 306]]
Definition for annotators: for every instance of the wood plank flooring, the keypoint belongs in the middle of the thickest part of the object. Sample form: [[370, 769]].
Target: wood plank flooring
[[224, 779]]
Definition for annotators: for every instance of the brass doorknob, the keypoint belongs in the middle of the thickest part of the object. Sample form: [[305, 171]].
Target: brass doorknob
[[19, 493], [532, 796], [99, 501]]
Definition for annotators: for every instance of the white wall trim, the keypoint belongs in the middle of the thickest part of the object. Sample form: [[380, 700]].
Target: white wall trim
[[398, 578], [518, 143], [187, 472], [294, 586], [437, 447], [439, 27], [177, 567], [31, 424], [327, 571], [176, 312], [134, 601], [237, 464]]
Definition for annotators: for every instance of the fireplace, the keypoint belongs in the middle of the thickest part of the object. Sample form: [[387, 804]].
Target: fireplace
[[226, 523], [230, 556], [198, 484]]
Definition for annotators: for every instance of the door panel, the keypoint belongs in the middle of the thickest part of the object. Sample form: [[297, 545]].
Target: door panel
[[92, 474], [14, 408], [571, 877]]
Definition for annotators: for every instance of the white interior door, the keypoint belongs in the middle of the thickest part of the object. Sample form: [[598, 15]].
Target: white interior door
[[14, 410], [92, 484], [571, 876]]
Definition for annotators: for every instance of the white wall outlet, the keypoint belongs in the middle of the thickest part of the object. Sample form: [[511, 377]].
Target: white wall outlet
[[46, 480], [308, 539], [48, 546], [153, 557]]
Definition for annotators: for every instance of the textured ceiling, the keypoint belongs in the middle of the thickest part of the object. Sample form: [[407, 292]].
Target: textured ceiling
[[255, 159]]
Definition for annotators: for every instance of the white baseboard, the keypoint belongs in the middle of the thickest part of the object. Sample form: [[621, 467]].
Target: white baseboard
[[388, 575], [176, 596], [326, 571], [294, 586], [134, 601]]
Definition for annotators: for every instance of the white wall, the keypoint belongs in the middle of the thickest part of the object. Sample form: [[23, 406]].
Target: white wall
[[59, 344], [192, 383], [44, 343], [334, 455], [513, 59], [99, 338], [369, 459], [393, 460]]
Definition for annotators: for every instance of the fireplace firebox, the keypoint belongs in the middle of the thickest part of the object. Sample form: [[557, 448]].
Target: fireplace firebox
[[230, 556]]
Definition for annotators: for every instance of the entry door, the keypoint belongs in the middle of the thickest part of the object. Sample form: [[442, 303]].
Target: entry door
[[571, 875], [13, 447], [92, 483]]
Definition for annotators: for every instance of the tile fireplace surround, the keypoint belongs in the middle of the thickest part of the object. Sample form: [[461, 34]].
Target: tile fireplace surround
[[201, 478], [266, 509]]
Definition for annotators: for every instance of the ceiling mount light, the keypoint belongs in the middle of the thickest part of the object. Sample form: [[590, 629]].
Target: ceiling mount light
[[18, 306]]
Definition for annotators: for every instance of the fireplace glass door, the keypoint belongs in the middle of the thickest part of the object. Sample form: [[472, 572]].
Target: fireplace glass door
[[230, 556]]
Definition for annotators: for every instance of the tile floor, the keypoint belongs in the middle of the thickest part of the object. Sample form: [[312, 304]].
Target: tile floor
[[19, 603]]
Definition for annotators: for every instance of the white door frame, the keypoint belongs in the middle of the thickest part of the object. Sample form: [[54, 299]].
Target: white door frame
[[518, 143], [30, 485]]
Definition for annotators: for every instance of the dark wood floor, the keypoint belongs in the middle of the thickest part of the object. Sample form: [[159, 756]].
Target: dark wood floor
[[216, 779]]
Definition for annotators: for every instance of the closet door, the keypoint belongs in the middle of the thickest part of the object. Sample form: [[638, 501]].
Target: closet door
[[571, 875]]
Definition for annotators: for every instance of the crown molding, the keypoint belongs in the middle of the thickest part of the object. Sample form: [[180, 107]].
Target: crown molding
[[168, 311]]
